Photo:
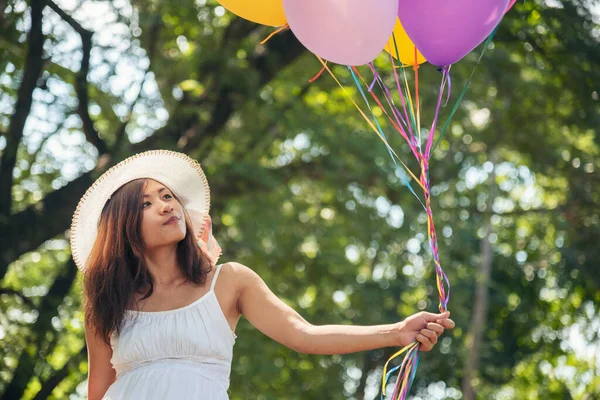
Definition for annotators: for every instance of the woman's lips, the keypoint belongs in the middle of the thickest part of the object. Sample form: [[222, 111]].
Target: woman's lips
[[172, 220]]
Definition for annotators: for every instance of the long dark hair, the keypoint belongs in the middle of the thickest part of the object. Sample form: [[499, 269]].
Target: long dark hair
[[116, 268]]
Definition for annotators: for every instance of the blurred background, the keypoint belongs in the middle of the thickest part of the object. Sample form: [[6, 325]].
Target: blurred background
[[305, 194]]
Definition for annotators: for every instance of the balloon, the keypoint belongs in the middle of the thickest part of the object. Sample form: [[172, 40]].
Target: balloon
[[351, 32], [447, 30], [406, 48], [510, 4], [265, 12]]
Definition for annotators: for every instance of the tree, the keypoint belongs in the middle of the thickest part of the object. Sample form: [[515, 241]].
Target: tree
[[304, 194]]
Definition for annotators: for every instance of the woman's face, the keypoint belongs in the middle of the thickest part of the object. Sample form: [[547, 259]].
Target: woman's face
[[163, 221]]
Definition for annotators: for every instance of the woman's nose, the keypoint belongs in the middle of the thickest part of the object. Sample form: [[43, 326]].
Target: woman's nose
[[165, 208]]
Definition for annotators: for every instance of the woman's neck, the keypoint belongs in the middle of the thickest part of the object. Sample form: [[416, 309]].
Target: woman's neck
[[163, 266]]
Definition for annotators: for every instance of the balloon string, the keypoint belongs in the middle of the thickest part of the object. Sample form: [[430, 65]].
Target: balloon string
[[444, 295], [275, 32], [362, 93], [382, 135], [314, 78], [398, 86], [397, 114], [407, 372], [387, 96], [408, 369], [369, 123], [390, 99], [409, 365], [437, 110], [462, 94], [411, 108], [449, 86], [386, 375], [416, 69]]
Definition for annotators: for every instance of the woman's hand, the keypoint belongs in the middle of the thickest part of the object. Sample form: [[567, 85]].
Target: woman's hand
[[423, 327]]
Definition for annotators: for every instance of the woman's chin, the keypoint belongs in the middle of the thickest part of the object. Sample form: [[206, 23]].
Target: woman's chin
[[179, 237], [168, 240], [175, 235]]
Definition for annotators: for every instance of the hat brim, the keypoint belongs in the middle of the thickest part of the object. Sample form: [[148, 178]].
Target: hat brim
[[180, 173]]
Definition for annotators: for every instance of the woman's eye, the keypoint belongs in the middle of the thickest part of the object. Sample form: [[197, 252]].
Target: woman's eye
[[146, 204], [168, 196]]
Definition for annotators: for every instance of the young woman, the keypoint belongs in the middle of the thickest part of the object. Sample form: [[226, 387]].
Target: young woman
[[160, 315]]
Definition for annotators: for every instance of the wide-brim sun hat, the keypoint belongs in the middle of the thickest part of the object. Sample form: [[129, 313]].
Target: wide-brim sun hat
[[177, 171]]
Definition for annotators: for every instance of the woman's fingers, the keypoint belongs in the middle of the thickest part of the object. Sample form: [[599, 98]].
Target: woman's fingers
[[430, 317], [437, 328], [429, 327], [431, 335], [426, 344], [446, 323], [428, 338]]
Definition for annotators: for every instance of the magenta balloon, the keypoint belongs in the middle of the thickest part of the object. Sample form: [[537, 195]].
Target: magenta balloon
[[445, 31], [350, 32]]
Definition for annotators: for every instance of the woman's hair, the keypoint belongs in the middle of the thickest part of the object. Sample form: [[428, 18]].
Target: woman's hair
[[116, 268]]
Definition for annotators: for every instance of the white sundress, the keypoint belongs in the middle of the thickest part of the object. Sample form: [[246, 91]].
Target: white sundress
[[184, 353]]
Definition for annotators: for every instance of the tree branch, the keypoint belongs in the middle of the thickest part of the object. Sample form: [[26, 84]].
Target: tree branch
[[28, 229], [282, 50], [153, 39], [33, 69], [81, 83]]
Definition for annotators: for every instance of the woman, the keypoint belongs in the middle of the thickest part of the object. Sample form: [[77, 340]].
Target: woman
[[160, 315]]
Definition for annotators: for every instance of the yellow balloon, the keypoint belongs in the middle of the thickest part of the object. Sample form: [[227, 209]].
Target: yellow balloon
[[406, 48], [265, 12]]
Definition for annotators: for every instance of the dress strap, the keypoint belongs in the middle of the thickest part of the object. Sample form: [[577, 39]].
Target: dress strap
[[214, 280]]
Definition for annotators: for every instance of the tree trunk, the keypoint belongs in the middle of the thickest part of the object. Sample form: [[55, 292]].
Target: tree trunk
[[480, 303], [32, 71]]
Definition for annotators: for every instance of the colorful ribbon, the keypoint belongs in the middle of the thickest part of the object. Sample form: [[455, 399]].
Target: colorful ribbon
[[462, 94], [408, 124]]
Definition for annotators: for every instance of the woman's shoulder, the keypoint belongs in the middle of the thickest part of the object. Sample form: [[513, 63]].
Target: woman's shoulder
[[236, 273], [233, 269]]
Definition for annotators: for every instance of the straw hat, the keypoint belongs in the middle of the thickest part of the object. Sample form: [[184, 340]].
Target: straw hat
[[180, 173]]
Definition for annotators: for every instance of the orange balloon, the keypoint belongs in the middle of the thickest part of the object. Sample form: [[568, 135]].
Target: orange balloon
[[405, 46], [265, 12]]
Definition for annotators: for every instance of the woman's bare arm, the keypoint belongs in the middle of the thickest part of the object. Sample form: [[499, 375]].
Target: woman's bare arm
[[280, 322], [100, 371]]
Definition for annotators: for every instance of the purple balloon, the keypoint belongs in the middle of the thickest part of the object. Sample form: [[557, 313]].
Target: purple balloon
[[445, 31]]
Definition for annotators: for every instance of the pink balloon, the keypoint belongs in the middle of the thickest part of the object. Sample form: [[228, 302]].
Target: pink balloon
[[510, 4], [350, 32], [445, 31]]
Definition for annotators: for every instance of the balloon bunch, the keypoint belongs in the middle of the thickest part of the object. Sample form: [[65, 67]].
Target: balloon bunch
[[354, 33]]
